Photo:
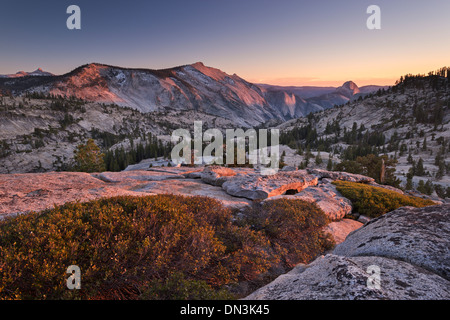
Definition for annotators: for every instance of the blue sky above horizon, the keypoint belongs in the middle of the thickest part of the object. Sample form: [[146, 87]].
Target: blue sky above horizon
[[285, 42]]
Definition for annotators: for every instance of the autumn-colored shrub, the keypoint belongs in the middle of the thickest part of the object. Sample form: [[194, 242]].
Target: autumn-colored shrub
[[294, 228], [375, 201], [124, 246], [154, 247]]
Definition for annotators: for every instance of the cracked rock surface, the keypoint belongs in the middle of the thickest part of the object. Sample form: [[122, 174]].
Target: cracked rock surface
[[409, 246]]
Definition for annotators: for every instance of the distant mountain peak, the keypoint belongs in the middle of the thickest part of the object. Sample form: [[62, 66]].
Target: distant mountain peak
[[349, 89], [19, 74], [350, 84], [211, 72], [198, 64]]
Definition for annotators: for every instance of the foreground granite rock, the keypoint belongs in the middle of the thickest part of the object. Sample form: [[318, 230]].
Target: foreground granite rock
[[410, 247], [336, 277], [334, 205], [420, 236], [258, 187], [22, 193]]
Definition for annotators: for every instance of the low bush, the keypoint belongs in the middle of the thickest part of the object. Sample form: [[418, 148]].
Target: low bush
[[294, 228], [375, 201], [155, 247]]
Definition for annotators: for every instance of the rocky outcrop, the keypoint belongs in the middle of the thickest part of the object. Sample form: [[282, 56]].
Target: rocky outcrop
[[21, 193], [191, 187], [344, 176], [334, 277], [258, 187], [216, 175], [236, 187], [332, 203], [409, 247], [328, 199]]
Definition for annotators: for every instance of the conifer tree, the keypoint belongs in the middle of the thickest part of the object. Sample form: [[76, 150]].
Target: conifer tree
[[89, 158], [330, 163]]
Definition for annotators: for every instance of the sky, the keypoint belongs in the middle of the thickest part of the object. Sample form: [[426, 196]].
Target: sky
[[282, 42]]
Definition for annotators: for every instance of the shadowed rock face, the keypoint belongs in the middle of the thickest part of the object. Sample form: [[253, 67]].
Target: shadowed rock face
[[410, 247]]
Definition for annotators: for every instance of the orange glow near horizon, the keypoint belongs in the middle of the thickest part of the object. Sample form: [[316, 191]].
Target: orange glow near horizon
[[386, 75], [300, 82]]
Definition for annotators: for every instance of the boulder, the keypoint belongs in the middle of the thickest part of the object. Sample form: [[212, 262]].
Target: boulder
[[344, 176], [336, 277], [193, 175], [419, 236], [216, 175], [328, 199], [259, 187]]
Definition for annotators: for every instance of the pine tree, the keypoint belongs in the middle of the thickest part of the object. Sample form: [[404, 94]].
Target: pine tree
[[318, 159], [441, 171], [410, 159], [88, 158], [330, 163], [409, 184], [439, 191], [419, 169], [421, 187], [429, 187]]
